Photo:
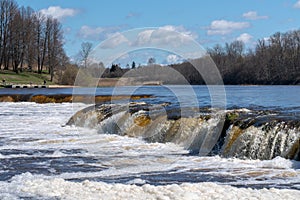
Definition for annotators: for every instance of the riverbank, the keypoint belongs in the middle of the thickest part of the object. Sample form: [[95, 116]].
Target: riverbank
[[32, 86], [61, 86], [66, 98], [8, 77]]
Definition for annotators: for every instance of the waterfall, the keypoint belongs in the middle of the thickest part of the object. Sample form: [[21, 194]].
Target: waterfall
[[263, 142], [235, 133]]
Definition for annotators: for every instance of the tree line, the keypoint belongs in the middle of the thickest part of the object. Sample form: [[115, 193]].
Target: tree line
[[272, 61], [30, 39]]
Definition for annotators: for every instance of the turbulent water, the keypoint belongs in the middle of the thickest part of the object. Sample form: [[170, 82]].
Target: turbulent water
[[236, 133], [46, 154]]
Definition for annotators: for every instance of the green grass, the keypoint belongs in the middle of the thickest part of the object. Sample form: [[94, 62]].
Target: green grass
[[23, 78]]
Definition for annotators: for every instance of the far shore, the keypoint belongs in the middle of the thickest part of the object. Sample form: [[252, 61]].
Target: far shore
[[67, 98], [62, 86], [28, 86], [72, 86]]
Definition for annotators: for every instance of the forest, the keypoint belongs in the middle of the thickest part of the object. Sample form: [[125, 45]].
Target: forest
[[34, 42], [30, 40], [273, 61]]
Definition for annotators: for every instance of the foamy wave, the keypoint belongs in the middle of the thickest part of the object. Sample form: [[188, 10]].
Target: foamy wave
[[28, 185]]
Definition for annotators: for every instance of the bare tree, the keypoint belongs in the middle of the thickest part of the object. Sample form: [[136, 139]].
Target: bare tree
[[86, 48], [16, 39], [55, 53], [8, 9], [40, 50]]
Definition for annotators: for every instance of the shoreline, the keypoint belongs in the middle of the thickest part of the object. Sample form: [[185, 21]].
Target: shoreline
[[68, 98], [61, 86], [34, 86], [56, 86]]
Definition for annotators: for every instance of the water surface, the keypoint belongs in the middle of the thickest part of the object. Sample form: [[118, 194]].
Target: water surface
[[40, 158]]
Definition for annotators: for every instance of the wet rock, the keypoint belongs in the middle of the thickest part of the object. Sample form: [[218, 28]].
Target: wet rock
[[6, 99], [238, 133]]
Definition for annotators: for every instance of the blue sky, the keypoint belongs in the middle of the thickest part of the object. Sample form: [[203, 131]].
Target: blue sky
[[208, 22]]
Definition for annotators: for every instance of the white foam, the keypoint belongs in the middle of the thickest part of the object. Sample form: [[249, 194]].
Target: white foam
[[239, 110], [137, 181], [28, 185], [39, 128], [276, 163]]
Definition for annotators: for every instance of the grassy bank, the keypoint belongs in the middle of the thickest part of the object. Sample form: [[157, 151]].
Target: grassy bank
[[23, 78]]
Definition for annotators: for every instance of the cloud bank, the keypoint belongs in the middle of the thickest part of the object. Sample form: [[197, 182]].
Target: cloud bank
[[97, 33], [59, 13], [224, 27]]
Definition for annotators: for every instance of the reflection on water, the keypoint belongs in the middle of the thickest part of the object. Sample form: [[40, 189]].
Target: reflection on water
[[276, 97]]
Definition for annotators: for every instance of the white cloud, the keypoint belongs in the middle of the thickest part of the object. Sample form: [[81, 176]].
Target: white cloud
[[245, 37], [114, 40], [297, 4], [96, 33], [252, 15], [165, 38], [144, 37], [58, 12], [223, 27], [166, 35], [181, 30]]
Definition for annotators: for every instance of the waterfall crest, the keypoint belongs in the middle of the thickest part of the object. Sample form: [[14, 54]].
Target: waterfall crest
[[238, 133]]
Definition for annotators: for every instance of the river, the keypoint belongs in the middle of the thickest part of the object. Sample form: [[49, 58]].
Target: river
[[43, 158]]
